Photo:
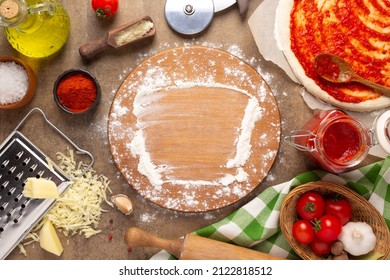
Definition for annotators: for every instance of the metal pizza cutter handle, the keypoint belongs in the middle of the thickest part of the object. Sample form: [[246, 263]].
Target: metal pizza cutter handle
[[220, 5], [243, 6]]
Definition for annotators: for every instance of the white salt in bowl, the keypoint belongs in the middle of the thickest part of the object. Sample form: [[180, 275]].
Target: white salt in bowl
[[16, 85]]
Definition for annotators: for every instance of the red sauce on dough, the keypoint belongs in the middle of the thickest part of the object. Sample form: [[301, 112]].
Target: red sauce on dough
[[341, 141], [327, 68], [343, 29]]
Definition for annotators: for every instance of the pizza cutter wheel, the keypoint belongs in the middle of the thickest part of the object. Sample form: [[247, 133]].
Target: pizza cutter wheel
[[190, 17]]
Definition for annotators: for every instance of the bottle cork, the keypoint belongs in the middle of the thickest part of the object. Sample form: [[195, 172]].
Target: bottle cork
[[9, 9]]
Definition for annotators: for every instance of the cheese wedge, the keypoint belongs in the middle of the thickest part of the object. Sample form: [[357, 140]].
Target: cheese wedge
[[40, 188], [49, 240]]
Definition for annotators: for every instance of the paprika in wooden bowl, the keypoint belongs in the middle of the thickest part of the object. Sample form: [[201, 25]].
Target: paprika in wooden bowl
[[77, 91]]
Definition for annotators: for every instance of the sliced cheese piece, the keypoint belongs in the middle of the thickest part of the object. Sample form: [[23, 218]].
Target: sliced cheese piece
[[40, 188], [48, 239]]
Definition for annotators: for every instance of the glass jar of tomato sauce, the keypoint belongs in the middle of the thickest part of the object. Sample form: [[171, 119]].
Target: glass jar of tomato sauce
[[333, 139]]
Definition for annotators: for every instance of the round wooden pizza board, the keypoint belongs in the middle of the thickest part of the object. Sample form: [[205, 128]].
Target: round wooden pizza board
[[180, 116]]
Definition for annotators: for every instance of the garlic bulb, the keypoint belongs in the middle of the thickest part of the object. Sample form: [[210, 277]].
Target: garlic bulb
[[358, 238]]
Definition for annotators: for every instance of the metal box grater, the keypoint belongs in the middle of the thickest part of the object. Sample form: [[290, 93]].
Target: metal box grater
[[19, 160]]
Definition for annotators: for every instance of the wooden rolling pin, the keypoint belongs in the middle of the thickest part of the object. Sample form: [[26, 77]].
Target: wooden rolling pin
[[193, 247]]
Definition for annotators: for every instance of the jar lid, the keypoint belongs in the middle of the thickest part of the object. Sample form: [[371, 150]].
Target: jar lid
[[382, 131]]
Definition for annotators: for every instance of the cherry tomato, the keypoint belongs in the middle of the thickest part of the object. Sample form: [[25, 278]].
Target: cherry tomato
[[105, 8], [328, 228], [320, 247], [310, 206], [303, 231], [340, 208]]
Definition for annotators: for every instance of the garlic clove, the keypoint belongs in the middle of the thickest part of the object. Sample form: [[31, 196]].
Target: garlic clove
[[123, 203]]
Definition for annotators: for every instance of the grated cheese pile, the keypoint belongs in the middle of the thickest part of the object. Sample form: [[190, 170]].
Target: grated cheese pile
[[79, 209]]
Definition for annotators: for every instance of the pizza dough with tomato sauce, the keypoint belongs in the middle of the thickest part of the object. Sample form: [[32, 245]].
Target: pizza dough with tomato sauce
[[356, 30]]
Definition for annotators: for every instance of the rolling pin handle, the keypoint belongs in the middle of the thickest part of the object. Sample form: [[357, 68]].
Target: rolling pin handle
[[135, 237]]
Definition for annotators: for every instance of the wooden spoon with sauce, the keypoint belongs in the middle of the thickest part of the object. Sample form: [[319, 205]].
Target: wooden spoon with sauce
[[336, 70], [125, 34]]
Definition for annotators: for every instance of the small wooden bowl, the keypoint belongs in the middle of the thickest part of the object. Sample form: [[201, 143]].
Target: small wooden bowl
[[32, 84], [362, 211]]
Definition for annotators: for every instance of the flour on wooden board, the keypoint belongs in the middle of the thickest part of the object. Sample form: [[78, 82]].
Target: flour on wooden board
[[146, 166], [154, 80]]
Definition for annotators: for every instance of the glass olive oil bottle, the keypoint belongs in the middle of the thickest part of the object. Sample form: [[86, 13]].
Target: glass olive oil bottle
[[35, 28]]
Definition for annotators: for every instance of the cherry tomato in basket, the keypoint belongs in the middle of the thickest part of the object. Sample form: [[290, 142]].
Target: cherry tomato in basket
[[320, 247], [340, 208], [105, 8], [303, 231], [310, 206], [328, 228]]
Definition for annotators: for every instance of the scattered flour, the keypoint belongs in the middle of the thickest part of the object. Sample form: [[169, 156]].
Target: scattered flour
[[252, 115], [146, 167], [147, 218]]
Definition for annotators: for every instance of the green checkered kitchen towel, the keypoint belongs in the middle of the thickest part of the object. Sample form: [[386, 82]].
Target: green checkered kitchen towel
[[256, 224]]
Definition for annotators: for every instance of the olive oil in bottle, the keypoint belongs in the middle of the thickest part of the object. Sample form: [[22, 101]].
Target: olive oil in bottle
[[35, 28]]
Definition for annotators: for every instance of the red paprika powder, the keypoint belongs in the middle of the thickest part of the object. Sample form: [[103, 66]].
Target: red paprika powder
[[77, 92]]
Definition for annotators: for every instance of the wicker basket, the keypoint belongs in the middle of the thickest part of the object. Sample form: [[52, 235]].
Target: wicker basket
[[362, 211]]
